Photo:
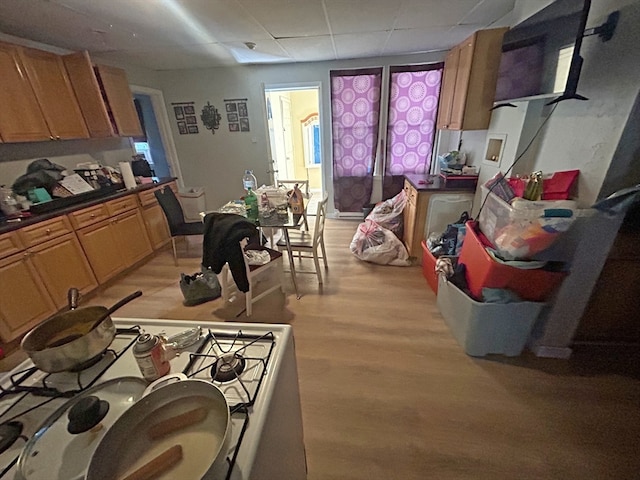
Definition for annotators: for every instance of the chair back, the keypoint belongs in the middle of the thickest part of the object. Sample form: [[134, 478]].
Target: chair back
[[303, 185], [321, 214], [171, 207]]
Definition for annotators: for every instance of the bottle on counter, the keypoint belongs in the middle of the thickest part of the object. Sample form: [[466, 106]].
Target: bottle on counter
[[249, 180], [251, 203]]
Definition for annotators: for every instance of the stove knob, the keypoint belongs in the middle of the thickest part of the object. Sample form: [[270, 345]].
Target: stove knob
[[86, 414]]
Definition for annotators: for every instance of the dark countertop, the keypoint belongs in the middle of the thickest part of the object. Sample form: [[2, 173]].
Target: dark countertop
[[10, 226], [435, 183]]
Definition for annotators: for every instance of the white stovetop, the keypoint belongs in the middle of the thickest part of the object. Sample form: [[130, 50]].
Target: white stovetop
[[127, 366]]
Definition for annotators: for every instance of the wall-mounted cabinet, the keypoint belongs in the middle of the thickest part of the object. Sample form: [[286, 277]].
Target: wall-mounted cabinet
[[104, 96], [469, 81], [38, 102]]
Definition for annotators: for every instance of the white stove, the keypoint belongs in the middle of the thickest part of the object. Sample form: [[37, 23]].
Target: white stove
[[254, 366]]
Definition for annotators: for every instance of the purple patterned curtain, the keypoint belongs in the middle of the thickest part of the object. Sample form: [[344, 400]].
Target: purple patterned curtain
[[413, 104], [355, 107]]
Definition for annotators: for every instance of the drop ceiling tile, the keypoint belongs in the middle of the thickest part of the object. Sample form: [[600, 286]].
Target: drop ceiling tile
[[356, 16], [488, 12], [360, 45], [309, 49], [421, 14], [286, 18], [420, 40]]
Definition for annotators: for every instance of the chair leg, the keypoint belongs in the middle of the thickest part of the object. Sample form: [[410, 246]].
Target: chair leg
[[175, 253], [223, 278], [317, 263], [249, 302], [324, 253]]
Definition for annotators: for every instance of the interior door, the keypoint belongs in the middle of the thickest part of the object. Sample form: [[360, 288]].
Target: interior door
[[287, 140]]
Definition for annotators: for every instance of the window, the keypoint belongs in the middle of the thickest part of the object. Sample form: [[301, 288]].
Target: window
[[143, 148]]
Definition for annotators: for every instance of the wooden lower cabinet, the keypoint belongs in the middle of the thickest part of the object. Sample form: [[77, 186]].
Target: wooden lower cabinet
[[157, 227], [414, 217], [61, 264], [25, 301], [115, 244]]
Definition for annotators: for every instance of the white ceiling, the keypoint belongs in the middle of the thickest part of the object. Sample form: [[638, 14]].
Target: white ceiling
[[179, 34]]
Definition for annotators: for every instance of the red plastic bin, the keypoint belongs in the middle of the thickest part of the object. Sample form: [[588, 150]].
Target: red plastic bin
[[429, 267], [482, 271]]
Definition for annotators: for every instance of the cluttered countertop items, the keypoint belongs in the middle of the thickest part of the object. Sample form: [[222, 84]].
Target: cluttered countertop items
[[48, 189]]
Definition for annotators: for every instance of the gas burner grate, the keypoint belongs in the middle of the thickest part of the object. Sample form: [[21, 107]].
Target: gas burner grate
[[224, 357], [45, 389]]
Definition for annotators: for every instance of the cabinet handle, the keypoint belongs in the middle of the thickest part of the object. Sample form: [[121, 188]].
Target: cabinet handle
[[51, 137], [57, 137], [93, 215], [48, 231]]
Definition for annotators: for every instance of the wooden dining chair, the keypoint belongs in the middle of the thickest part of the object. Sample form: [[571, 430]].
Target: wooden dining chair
[[255, 274], [178, 226], [308, 244]]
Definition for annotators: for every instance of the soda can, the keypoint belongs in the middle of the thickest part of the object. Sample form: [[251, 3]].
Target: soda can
[[149, 352]]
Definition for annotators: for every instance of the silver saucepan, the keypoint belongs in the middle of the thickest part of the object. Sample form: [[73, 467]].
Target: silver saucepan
[[69, 340]]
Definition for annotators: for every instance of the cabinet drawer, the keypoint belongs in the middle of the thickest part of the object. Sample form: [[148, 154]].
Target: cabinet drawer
[[10, 244], [44, 231], [147, 197], [89, 216], [121, 205]]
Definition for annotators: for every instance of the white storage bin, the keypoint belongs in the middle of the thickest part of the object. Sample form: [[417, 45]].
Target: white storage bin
[[444, 209], [483, 328], [193, 202]]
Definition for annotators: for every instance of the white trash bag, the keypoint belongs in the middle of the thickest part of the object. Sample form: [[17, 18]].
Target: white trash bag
[[376, 244]]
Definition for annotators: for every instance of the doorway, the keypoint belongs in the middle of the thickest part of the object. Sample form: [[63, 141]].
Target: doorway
[[159, 148], [295, 136]]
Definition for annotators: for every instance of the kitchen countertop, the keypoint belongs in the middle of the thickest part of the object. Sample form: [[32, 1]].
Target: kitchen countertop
[[6, 226], [434, 183]]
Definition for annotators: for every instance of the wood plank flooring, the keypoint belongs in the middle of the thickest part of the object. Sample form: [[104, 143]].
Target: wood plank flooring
[[387, 393]]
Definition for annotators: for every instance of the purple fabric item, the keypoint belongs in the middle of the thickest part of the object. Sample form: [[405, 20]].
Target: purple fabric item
[[413, 105], [355, 107]]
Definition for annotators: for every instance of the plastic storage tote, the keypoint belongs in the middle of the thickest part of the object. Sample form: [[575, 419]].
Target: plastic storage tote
[[444, 209], [483, 271], [192, 200], [429, 267], [484, 328]]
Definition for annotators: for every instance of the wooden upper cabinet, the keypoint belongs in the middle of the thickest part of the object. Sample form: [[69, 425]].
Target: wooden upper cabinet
[[469, 83], [119, 100], [105, 97], [54, 93], [85, 84], [21, 119]]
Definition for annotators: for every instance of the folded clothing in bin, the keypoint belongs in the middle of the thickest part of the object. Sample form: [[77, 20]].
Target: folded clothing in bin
[[483, 271]]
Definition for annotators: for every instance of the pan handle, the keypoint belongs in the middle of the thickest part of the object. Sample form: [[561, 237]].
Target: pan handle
[[72, 296]]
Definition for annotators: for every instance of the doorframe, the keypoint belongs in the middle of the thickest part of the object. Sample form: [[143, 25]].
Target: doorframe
[[326, 185], [162, 117]]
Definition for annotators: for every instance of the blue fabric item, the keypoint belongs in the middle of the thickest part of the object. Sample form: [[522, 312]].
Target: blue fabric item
[[500, 295]]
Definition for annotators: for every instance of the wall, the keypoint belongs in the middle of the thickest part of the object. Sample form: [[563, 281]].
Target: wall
[[218, 161], [580, 135]]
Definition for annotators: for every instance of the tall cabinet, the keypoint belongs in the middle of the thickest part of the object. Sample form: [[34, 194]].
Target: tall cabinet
[[469, 81]]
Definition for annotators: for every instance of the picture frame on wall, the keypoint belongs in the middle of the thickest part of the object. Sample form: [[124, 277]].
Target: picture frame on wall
[[192, 129], [182, 128], [231, 107], [232, 117], [191, 120], [242, 109], [178, 112], [189, 110], [244, 124], [234, 127]]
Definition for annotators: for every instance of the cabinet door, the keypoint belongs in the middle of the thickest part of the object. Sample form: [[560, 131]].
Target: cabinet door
[[448, 88], [61, 264], [101, 246], [157, 228], [55, 95], [130, 231], [85, 84], [25, 301], [463, 73], [21, 119], [119, 100]]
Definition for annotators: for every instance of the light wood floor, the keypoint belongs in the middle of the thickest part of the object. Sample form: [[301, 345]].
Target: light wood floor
[[387, 393]]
